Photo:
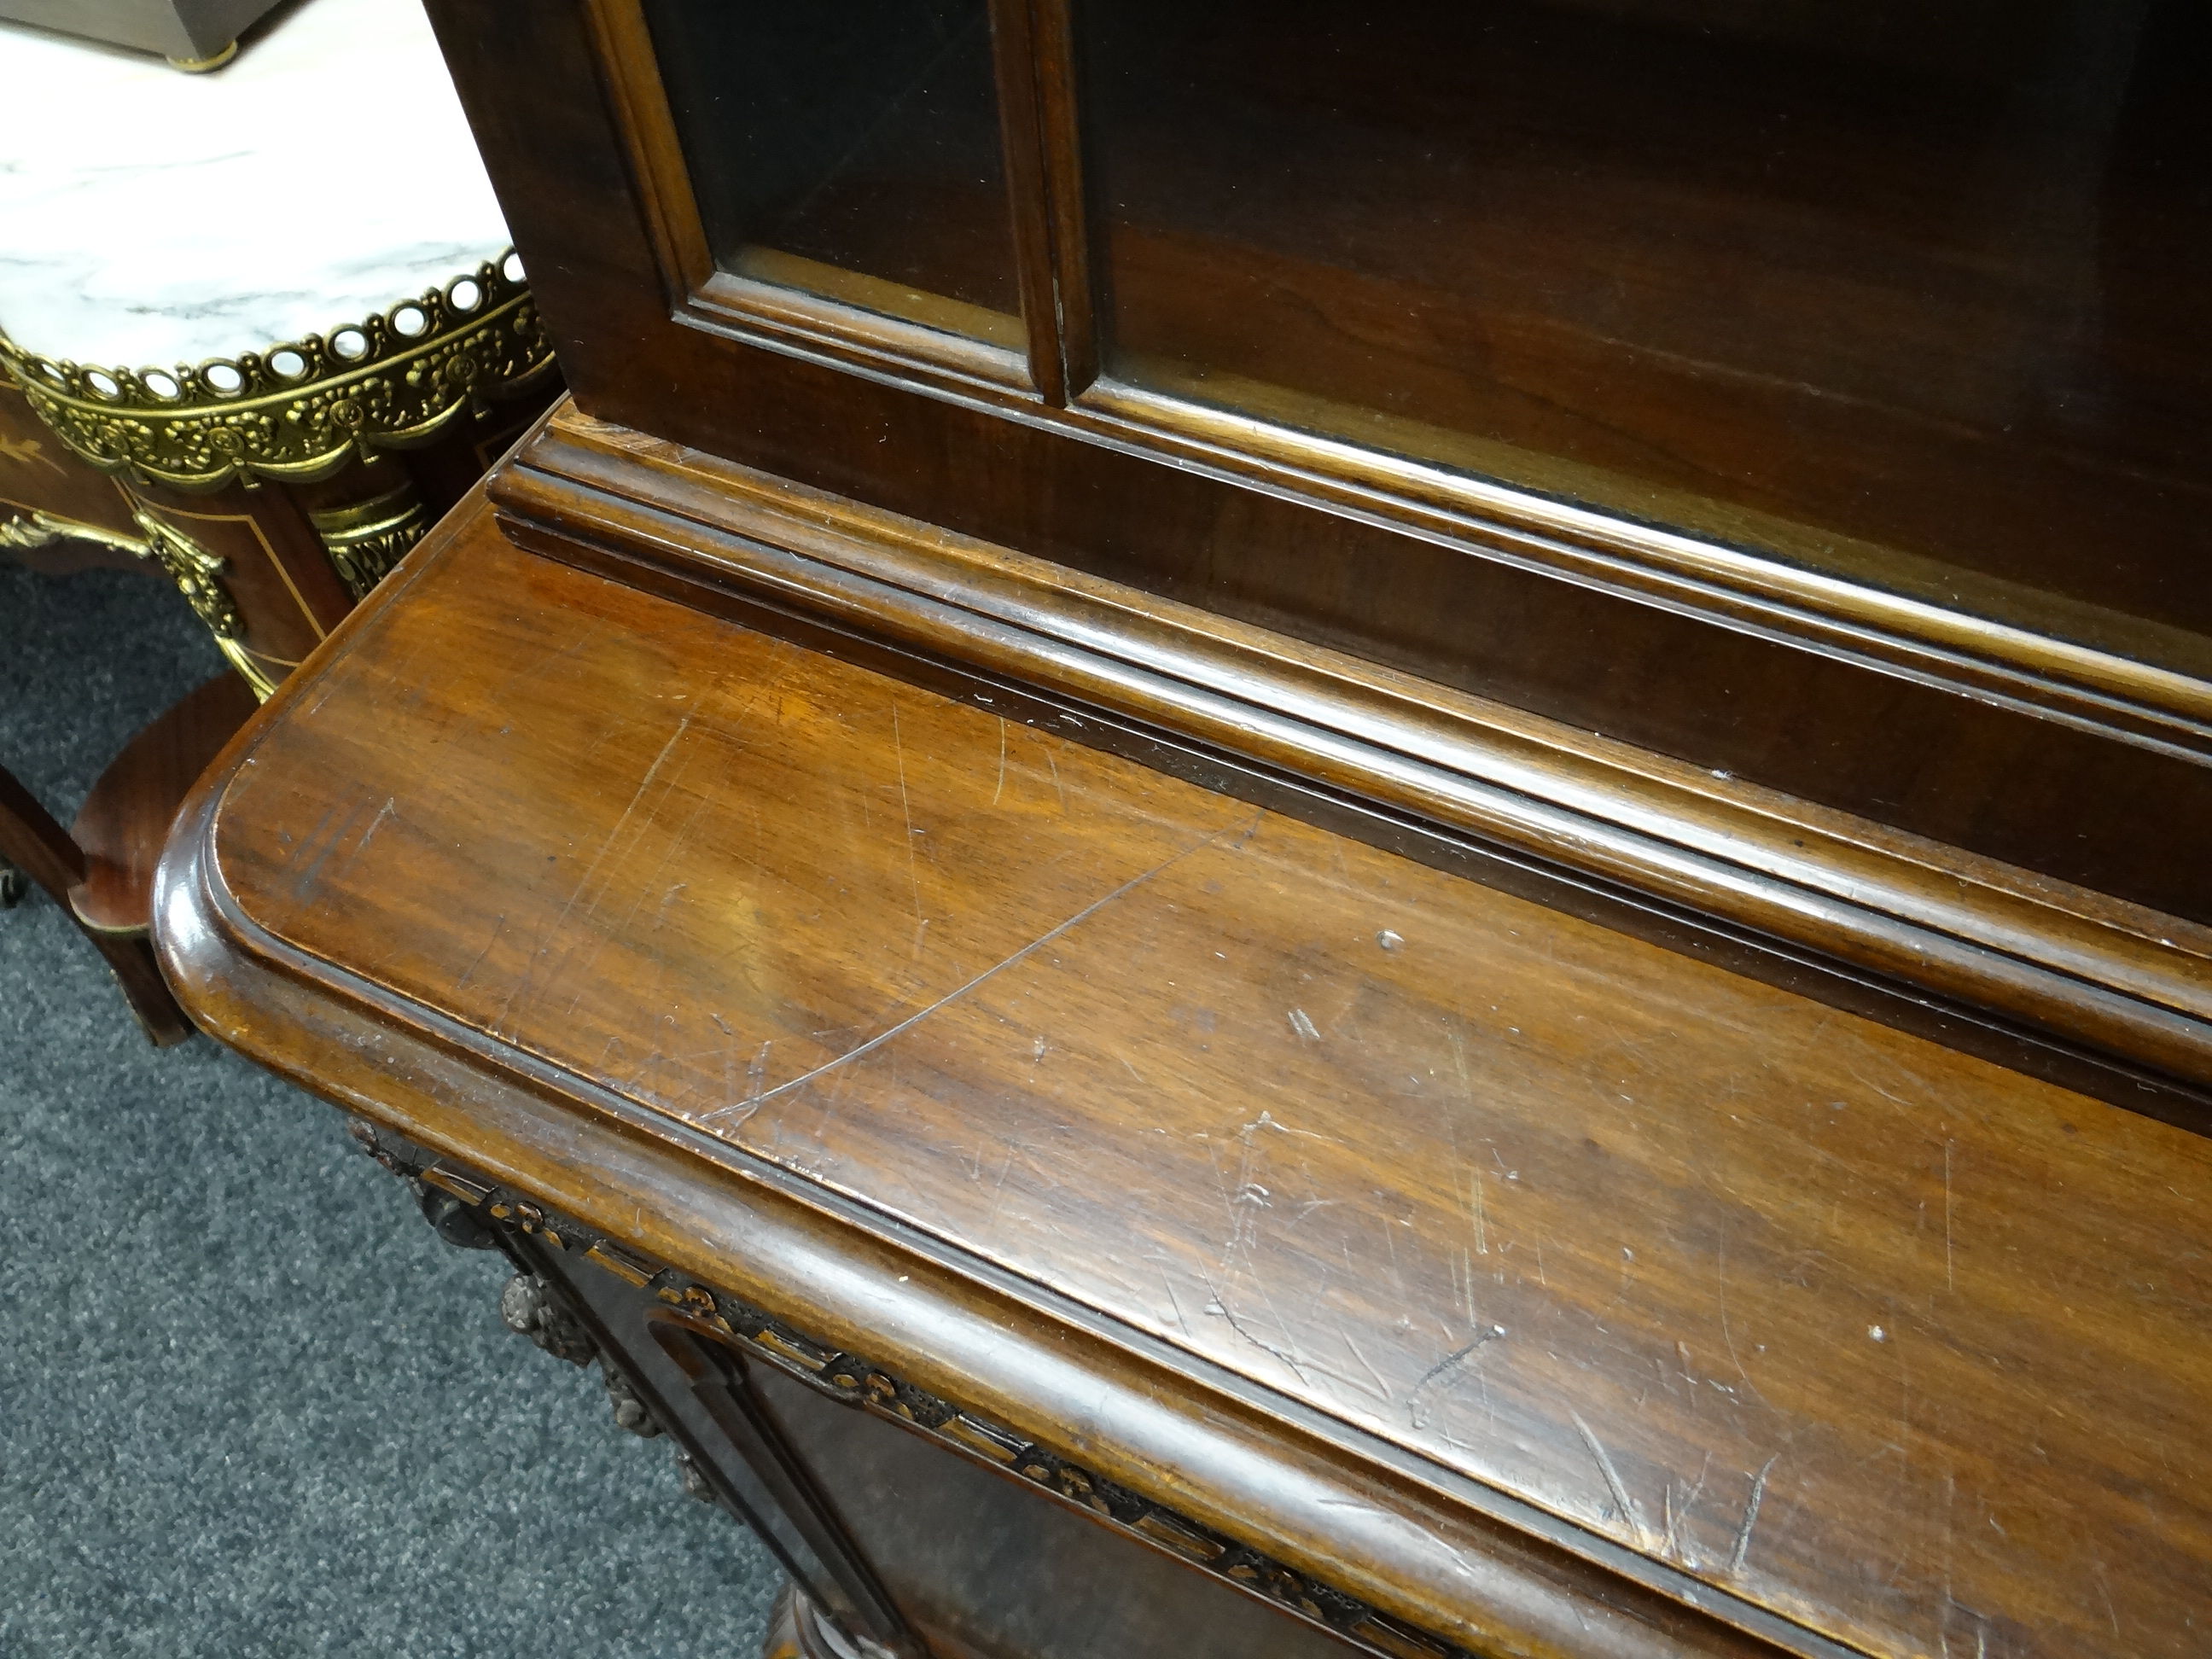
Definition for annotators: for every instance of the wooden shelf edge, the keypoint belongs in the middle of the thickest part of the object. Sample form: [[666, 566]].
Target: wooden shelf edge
[[2082, 969], [1509, 1577], [2097, 688], [125, 819]]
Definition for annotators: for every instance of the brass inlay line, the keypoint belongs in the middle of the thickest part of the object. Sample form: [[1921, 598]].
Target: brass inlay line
[[214, 60]]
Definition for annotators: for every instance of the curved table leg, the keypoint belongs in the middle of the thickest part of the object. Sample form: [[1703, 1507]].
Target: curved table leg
[[42, 849]]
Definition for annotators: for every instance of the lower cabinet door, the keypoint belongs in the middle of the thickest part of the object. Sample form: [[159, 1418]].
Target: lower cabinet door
[[897, 1544]]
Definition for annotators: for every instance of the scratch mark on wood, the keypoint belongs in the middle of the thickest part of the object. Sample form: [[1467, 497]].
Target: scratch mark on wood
[[1475, 1209], [660, 915], [998, 1190], [1743, 1375], [1949, 1283], [1672, 1543], [1629, 1512], [388, 810], [498, 696], [1220, 1310], [1459, 1062], [1266, 1120], [1056, 783], [1416, 1407], [1174, 1301], [1751, 1516], [305, 882], [1860, 1078], [1346, 1337], [469, 973], [1001, 789], [1035, 944], [313, 835], [599, 857], [2105, 1590], [1304, 1025], [913, 875], [755, 1089], [1447, 1363]]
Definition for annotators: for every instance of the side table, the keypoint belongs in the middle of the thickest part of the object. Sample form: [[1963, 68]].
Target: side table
[[338, 372]]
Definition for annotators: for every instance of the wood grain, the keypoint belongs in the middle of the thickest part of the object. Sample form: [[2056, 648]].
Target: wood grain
[[2078, 966], [1669, 268], [1295, 531], [1854, 1330], [1586, 620]]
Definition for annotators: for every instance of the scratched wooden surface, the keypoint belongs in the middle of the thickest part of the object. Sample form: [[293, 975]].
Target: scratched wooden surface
[[1911, 1349]]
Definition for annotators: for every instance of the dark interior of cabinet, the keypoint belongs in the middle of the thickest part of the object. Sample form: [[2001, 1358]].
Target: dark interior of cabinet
[[1910, 294], [1903, 296], [1906, 295], [852, 140]]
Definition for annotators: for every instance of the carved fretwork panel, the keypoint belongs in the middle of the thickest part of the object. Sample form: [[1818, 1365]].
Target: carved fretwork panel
[[678, 1336]]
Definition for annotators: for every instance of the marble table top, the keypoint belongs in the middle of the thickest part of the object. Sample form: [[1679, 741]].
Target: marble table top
[[149, 217]]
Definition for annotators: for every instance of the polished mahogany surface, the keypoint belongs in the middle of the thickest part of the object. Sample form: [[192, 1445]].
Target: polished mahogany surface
[[1497, 792], [2015, 744], [1911, 294], [1901, 1345]]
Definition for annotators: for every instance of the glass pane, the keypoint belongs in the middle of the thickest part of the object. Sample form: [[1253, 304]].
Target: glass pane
[[1911, 293], [849, 148]]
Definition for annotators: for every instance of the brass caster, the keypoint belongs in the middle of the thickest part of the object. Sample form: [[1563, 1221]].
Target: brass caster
[[202, 65]]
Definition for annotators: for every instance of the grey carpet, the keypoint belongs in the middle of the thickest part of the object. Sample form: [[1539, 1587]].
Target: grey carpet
[[248, 1404]]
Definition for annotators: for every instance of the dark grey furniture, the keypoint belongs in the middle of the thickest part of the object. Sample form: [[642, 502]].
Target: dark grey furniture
[[193, 34]]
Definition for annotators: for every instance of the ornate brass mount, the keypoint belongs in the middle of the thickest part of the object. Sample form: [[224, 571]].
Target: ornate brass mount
[[299, 411], [366, 539], [197, 573]]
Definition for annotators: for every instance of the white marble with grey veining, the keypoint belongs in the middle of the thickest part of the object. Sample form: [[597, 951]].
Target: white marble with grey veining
[[149, 217]]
